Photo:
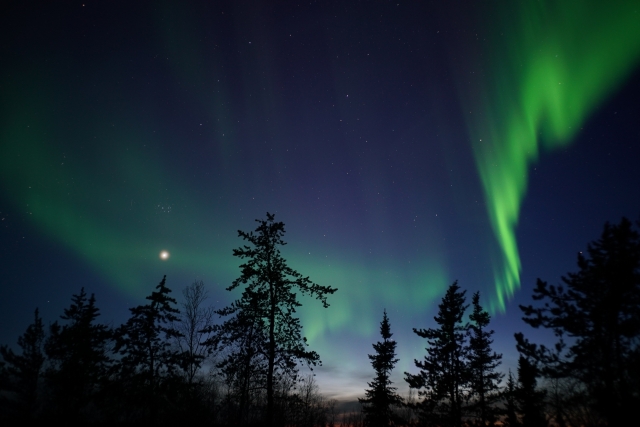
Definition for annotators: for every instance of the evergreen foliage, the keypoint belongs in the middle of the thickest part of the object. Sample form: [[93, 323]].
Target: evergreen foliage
[[444, 372], [484, 382], [155, 373], [530, 399], [511, 403], [269, 302], [78, 358], [148, 361], [598, 308], [242, 344], [21, 373], [381, 398]]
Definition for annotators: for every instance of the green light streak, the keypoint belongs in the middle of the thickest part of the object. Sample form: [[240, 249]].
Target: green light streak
[[105, 213], [104, 209], [550, 69], [362, 288]]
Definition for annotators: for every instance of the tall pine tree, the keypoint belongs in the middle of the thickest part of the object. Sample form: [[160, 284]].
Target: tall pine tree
[[484, 379], [444, 371], [530, 399], [79, 359], [510, 402], [241, 344], [149, 362], [599, 308], [272, 289], [381, 398], [22, 373]]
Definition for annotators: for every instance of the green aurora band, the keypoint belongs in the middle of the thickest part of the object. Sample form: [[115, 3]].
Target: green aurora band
[[550, 67], [89, 173], [102, 201], [125, 251]]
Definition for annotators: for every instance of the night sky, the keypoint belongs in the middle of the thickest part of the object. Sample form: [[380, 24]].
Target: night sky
[[404, 145]]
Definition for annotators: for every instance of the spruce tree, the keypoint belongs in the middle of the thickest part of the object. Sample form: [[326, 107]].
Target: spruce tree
[[530, 399], [444, 371], [484, 379], [511, 403], [381, 398], [242, 346], [149, 362], [271, 289], [22, 372], [598, 307], [79, 358]]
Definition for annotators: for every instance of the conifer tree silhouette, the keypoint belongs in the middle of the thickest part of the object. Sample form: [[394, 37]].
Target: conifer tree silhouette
[[599, 308], [484, 381], [530, 399], [148, 359], [381, 398], [79, 358], [22, 372], [269, 302], [444, 370], [510, 400]]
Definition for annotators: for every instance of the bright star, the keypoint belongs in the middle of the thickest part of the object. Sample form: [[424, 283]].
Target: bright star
[[164, 255]]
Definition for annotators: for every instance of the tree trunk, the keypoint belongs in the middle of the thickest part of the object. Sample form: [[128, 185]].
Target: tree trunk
[[272, 354]]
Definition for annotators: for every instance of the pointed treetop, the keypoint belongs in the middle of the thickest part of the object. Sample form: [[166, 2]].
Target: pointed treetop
[[385, 328]]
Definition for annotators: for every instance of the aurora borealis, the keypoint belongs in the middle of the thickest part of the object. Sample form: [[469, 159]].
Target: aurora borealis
[[403, 145], [550, 67]]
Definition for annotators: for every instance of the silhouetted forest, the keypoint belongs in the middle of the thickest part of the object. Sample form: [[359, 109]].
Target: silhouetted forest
[[189, 364]]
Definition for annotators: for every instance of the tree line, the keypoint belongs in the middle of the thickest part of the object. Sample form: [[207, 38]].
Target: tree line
[[165, 365]]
